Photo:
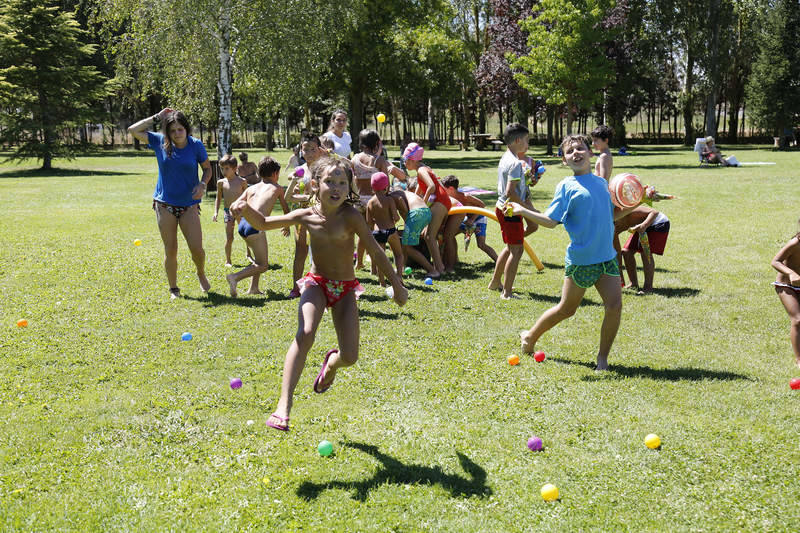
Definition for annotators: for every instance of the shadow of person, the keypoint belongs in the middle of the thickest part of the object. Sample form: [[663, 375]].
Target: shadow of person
[[683, 373], [398, 473]]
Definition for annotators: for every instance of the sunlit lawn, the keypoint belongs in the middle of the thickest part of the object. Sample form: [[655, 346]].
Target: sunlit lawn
[[109, 422]]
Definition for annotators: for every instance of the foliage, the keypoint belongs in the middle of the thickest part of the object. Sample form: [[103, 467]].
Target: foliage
[[774, 88], [45, 83], [565, 64]]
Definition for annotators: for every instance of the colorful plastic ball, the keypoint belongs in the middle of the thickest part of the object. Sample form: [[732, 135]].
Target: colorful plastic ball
[[795, 383], [539, 356], [513, 360], [325, 448], [407, 271], [301, 186], [22, 323], [236, 383], [299, 172], [428, 281], [390, 292], [186, 336], [549, 492], [137, 242], [534, 444], [652, 441], [626, 190], [381, 118]]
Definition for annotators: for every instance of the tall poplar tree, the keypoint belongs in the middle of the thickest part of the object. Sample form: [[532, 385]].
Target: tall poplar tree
[[45, 81]]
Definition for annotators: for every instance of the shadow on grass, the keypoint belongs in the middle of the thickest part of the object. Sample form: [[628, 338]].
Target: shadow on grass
[[398, 473], [660, 374], [214, 298], [59, 173], [676, 292], [555, 298], [382, 315]]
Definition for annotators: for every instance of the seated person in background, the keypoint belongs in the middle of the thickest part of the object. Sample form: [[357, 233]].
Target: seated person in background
[[712, 154], [248, 170]]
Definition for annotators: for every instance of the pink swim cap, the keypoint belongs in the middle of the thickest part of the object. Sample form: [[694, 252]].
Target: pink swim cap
[[413, 152], [379, 181]]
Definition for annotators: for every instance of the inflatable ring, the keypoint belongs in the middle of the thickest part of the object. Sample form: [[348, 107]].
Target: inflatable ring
[[469, 210]]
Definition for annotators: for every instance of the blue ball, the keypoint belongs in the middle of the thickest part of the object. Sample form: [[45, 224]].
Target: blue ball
[[428, 281], [186, 336]]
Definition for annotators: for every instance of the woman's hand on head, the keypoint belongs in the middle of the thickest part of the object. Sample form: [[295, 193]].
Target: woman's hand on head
[[164, 112]]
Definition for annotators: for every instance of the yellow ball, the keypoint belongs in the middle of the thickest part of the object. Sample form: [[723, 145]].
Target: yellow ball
[[381, 118], [137, 242], [549, 493], [652, 441], [513, 359]]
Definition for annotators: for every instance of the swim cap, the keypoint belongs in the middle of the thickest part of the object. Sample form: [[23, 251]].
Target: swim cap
[[413, 152], [379, 181]]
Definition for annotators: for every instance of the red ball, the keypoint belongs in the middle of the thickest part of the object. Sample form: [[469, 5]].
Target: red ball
[[539, 356], [795, 383]]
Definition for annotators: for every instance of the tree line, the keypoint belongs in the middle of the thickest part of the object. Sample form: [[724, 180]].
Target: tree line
[[277, 65]]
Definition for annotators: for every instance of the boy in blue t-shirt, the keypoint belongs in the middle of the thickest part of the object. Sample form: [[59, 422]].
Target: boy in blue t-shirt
[[583, 204]]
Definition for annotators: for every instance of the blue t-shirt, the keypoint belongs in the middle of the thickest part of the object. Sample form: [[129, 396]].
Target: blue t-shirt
[[583, 204], [177, 175]]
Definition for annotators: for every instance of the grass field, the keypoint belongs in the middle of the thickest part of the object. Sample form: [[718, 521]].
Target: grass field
[[109, 422]]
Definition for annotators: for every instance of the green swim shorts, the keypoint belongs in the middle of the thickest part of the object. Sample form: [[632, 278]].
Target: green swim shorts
[[586, 276]]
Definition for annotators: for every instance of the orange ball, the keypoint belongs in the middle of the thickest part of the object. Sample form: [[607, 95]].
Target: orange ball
[[513, 360], [22, 323]]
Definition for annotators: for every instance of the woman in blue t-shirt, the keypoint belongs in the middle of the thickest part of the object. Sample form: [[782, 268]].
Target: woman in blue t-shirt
[[178, 192]]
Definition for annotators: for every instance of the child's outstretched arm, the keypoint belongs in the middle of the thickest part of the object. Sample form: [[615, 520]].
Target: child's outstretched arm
[[646, 223], [290, 196], [620, 212], [778, 262], [379, 259], [240, 208], [533, 215]]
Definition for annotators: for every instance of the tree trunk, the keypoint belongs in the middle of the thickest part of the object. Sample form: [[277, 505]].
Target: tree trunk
[[467, 119], [570, 116], [395, 122], [711, 103], [688, 102], [550, 113], [431, 125], [225, 84], [357, 109]]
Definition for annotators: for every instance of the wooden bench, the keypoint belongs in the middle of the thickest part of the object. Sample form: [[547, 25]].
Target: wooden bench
[[496, 143]]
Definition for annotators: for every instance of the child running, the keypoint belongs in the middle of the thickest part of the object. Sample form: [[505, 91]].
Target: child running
[[601, 137], [262, 197], [787, 285], [582, 203], [229, 188], [381, 218], [332, 223]]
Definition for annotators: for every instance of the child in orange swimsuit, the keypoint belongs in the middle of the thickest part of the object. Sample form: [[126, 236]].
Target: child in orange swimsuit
[[332, 223], [431, 190]]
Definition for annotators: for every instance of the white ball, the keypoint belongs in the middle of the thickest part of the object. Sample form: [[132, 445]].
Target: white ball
[[390, 292]]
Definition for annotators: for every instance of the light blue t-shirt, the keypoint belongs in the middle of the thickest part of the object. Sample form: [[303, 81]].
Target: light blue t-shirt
[[177, 174], [583, 204]]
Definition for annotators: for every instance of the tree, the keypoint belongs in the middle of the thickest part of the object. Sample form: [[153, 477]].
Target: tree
[[774, 91], [44, 81], [565, 64], [195, 51]]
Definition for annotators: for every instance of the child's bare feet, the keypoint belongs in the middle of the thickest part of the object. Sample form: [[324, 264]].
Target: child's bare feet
[[204, 284], [495, 287], [174, 293], [254, 291], [232, 284], [602, 363], [509, 296], [527, 345]]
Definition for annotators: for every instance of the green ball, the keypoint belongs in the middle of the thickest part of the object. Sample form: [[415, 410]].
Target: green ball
[[325, 448], [407, 271]]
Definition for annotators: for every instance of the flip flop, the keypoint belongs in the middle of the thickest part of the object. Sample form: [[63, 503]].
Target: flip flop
[[276, 426], [321, 374]]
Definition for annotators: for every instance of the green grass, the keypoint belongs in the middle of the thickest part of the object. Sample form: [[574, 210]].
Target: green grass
[[109, 422]]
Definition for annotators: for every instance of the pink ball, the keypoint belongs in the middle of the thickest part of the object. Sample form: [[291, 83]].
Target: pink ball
[[236, 383], [794, 383], [626, 190], [539, 356], [299, 172], [534, 444]]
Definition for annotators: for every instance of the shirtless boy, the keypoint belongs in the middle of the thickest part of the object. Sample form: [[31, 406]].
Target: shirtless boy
[[381, 218], [229, 188], [417, 215], [248, 171], [261, 197]]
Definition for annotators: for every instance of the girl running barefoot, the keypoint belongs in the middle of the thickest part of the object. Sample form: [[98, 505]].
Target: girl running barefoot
[[787, 263], [332, 222]]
